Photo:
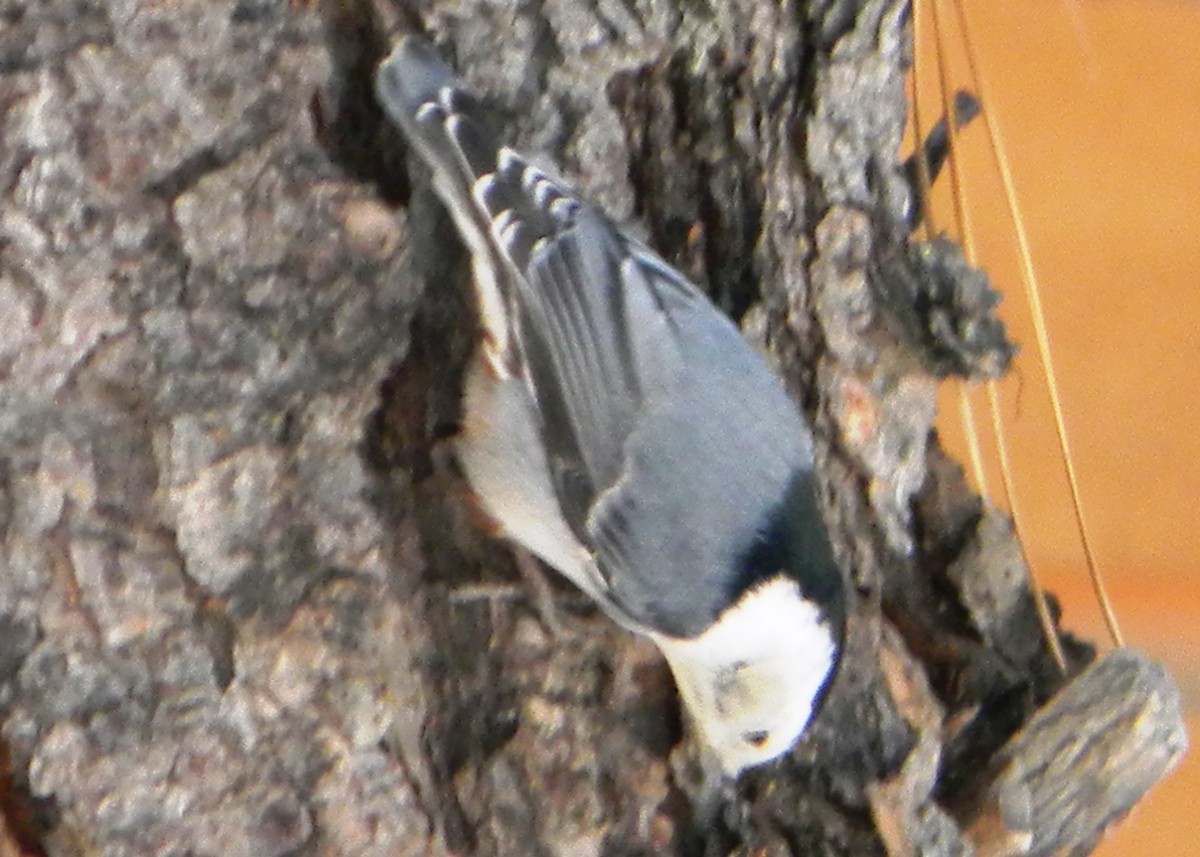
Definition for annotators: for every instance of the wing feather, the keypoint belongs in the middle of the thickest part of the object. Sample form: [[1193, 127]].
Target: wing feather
[[639, 382]]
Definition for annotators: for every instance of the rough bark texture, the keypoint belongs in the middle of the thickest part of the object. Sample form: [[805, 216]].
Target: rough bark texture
[[244, 609]]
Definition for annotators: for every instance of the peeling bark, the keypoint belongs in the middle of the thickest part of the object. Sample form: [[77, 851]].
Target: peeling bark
[[245, 607]]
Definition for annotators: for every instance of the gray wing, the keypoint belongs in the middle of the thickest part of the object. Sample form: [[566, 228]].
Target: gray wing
[[588, 310], [600, 336], [676, 454], [667, 437]]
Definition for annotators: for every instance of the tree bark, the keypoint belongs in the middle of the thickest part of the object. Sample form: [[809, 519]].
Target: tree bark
[[245, 608]]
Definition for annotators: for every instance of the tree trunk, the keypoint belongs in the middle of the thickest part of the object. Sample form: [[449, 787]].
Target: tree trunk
[[244, 606]]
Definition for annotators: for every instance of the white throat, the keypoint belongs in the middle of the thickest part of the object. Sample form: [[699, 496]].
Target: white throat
[[752, 679]]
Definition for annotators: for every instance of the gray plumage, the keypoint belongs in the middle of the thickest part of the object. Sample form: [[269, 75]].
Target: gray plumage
[[636, 414]]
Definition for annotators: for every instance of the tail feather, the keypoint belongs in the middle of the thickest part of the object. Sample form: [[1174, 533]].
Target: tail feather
[[424, 96], [428, 101], [495, 194], [414, 75]]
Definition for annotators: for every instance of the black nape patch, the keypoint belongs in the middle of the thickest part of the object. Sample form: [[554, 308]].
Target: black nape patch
[[794, 543]]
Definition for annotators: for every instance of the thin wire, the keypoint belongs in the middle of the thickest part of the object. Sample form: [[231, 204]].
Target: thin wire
[[971, 430], [966, 236], [1006, 473], [924, 183], [1029, 280], [960, 217], [1039, 596], [966, 409]]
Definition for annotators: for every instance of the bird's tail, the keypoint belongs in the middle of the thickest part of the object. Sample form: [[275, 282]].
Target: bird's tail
[[441, 119], [503, 205], [412, 75], [422, 94]]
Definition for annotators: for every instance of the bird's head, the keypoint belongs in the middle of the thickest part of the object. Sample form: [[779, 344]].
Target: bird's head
[[752, 682]]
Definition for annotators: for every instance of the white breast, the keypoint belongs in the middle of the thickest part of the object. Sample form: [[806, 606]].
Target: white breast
[[505, 462]]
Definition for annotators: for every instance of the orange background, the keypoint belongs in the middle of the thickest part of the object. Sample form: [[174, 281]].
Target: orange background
[[1099, 107]]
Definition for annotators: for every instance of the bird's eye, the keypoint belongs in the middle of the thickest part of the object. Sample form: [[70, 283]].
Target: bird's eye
[[756, 738]]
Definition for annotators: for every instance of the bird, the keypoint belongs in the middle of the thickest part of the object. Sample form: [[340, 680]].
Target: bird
[[618, 426]]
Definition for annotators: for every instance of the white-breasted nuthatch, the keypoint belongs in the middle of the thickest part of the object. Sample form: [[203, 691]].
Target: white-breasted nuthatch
[[619, 427]]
